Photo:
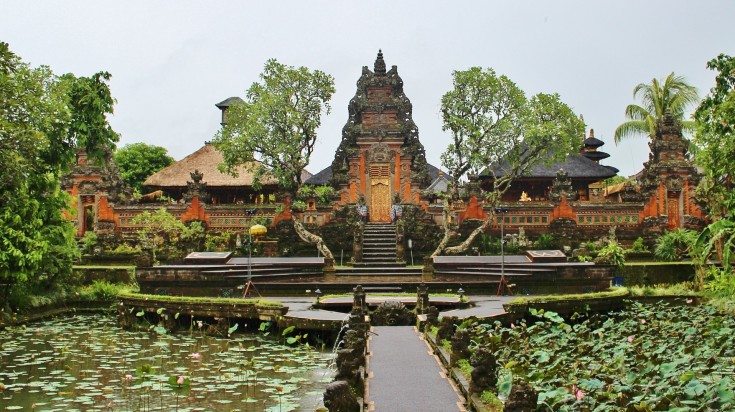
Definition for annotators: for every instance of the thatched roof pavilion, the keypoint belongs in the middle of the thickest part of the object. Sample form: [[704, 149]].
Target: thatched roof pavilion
[[222, 187]]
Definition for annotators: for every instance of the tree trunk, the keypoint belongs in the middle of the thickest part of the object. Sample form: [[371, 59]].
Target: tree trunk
[[471, 238], [447, 230], [442, 248], [309, 237]]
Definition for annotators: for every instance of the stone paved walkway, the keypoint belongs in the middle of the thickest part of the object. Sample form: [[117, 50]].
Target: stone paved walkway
[[403, 376]]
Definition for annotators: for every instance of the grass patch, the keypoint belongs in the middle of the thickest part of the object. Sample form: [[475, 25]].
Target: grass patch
[[679, 289], [390, 294], [659, 263], [491, 401], [201, 299], [447, 345], [613, 292], [465, 367]]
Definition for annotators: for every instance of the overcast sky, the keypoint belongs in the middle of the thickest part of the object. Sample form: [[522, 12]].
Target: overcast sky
[[171, 61]]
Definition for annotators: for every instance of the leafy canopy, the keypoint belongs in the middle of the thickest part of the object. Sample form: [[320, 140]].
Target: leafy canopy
[[492, 123], [273, 131], [138, 161], [671, 95], [44, 121]]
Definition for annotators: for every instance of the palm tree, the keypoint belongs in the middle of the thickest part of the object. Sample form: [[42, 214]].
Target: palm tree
[[672, 95]]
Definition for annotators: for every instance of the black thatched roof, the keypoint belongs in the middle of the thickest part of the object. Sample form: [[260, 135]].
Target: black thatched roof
[[576, 165], [593, 142], [229, 102], [596, 155], [324, 176]]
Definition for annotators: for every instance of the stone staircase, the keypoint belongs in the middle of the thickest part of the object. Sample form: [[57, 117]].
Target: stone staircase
[[379, 259], [379, 245]]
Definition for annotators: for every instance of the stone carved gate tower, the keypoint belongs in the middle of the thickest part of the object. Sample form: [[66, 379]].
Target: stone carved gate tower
[[380, 154]]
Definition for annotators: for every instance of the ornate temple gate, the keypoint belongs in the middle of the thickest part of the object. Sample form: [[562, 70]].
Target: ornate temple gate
[[380, 193]]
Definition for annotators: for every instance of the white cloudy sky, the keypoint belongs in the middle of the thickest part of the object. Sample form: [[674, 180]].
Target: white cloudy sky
[[171, 61]]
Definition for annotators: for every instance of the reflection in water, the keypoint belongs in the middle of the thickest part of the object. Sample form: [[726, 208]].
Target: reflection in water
[[86, 362]]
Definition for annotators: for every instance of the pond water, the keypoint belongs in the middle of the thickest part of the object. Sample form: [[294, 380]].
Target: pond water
[[86, 362]]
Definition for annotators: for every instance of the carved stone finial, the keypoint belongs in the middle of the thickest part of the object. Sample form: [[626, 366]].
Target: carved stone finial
[[380, 64], [592, 132]]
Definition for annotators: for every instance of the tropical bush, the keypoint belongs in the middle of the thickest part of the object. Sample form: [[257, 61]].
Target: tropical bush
[[675, 245], [611, 254]]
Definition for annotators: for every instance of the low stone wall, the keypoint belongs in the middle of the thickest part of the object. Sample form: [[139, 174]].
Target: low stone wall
[[166, 312], [88, 274], [656, 273]]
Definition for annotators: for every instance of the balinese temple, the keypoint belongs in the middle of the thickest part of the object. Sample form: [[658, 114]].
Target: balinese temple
[[380, 154], [380, 157]]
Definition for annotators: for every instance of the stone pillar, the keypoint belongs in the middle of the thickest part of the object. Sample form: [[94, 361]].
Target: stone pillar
[[427, 273]]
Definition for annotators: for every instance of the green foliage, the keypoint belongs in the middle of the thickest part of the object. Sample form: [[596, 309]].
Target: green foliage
[[720, 282], [218, 242], [44, 121], [274, 129], [490, 400], [670, 95], [545, 242], [714, 140], [138, 161], [493, 123], [675, 245], [638, 246], [298, 206], [166, 236], [89, 241], [273, 132], [101, 290], [465, 367], [611, 254], [621, 360]]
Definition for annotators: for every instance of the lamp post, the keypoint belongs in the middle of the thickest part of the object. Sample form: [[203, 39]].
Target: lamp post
[[410, 247], [254, 230], [503, 286]]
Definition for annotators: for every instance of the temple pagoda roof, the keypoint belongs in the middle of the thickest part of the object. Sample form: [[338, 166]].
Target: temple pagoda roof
[[577, 167]]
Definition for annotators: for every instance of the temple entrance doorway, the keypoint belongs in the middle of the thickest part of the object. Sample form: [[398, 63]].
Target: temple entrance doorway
[[673, 210], [380, 199]]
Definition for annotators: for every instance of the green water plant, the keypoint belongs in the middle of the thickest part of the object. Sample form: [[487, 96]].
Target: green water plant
[[648, 357]]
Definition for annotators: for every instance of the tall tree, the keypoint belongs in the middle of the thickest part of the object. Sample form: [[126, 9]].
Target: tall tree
[[38, 141], [672, 94], [276, 125], [492, 123], [137, 161], [715, 140]]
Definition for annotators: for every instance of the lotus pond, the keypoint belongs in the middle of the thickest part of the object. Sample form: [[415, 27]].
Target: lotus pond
[[86, 362], [649, 357]]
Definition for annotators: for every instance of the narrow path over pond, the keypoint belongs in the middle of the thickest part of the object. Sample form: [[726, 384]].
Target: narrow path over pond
[[404, 375]]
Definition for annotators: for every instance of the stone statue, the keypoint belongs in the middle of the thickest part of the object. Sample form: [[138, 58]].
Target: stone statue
[[522, 398], [484, 370], [339, 398]]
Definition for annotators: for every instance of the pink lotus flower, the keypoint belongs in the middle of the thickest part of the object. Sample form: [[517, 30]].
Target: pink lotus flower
[[630, 338], [200, 324], [195, 355], [512, 326], [128, 377], [690, 300], [643, 321], [180, 381], [579, 394]]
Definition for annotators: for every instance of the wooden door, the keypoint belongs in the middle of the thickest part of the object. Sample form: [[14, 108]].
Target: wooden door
[[673, 212], [380, 199]]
